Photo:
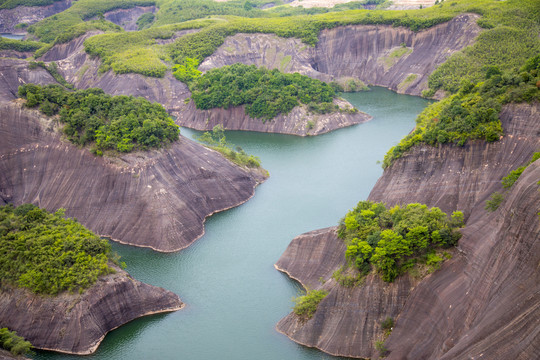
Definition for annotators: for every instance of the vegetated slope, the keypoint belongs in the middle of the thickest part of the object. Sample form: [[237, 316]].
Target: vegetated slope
[[347, 321], [377, 54], [155, 199], [486, 302], [77, 323], [22, 12], [47, 258]]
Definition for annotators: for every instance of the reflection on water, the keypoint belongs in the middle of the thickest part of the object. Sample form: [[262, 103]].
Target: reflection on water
[[12, 36]]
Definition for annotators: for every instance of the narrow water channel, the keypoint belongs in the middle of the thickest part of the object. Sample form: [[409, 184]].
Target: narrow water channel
[[234, 295]]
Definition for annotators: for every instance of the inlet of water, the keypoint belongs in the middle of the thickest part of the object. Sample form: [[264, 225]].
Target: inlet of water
[[234, 295], [12, 36]]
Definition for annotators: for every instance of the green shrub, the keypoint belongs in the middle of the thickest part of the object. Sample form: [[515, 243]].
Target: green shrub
[[494, 201], [20, 45], [511, 178], [145, 20], [216, 140], [392, 240], [116, 123], [47, 253], [13, 343], [306, 305], [266, 93], [11, 4]]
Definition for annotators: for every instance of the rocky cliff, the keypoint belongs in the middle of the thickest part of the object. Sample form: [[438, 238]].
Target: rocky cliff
[[127, 18], [15, 73], [77, 323], [299, 121], [483, 301], [396, 58], [29, 14], [156, 199]]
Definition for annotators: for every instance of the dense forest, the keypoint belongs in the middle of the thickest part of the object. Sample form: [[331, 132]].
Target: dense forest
[[47, 253], [394, 240], [266, 93], [117, 123]]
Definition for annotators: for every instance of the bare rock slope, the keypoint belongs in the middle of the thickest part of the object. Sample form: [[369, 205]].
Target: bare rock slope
[[29, 14], [157, 199], [484, 300], [77, 323], [396, 58]]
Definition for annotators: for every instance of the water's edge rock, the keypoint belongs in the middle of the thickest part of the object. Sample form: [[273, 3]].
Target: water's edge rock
[[77, 323], [157, 199], [462, 309]]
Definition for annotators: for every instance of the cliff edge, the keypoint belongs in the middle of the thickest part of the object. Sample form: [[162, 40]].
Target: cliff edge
[[77, 323], [157, 199]]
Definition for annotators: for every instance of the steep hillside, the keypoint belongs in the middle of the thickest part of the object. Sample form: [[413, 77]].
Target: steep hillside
[[77, 323], [9, 18], [468, 296], [156, 199]]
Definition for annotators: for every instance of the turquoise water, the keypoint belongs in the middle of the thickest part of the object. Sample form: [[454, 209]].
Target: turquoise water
[[12, 36], [233, 295]]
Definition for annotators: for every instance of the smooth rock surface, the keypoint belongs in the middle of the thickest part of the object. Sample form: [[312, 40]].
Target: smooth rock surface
[[483, 301], [156, 199], [77, 323], [29, 14]]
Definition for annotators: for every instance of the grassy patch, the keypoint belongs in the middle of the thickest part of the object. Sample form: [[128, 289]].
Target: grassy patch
[[407, 82], [392, 58]]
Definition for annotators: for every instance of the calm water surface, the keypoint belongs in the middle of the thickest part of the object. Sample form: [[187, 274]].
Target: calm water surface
[[12, 36], [234, 295]]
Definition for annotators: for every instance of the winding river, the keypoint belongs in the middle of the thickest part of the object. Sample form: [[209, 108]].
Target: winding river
[[234, 295]]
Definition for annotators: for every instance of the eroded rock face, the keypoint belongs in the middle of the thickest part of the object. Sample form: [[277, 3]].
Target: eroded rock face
[[29, 14], [77, 323], [483, 301], [396, 58], [127, 18], [16, 73], [462, 178], [157, 199], [486, 303], [299, 121], [347, 321]]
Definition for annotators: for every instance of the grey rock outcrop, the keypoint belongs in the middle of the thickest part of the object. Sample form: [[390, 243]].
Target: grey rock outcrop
[[15, 73], [483, 301], [29, 14], [396, 58], [77, 323], [297, 122], [127, 18], [156, 199]]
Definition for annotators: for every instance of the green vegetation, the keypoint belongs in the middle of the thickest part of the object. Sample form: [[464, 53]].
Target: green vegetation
[[20, 45], [70, 23], [13, 343], [114, 123], [473, 112], [394, 240], [266, 93], [47, 253], [52, 68], [216, 140], [496, 199], [306, 305], [395, 55], [145, 20], [10, 4], [511, 178], [348, 84], [348, 277]]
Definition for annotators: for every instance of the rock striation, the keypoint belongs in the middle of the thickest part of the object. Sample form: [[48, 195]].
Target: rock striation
[[15, 73], [29, 14], [483, 301], [156, 199], [396, 58], [77, 323], [297, 122], [127, 18]]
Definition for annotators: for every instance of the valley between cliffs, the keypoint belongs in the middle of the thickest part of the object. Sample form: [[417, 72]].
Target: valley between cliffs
[[77, 323], [464, 309]]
